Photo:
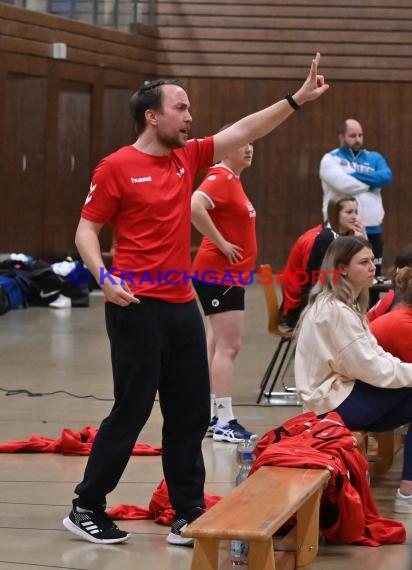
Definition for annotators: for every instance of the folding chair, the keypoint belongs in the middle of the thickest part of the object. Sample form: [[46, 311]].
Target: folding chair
[[283, 354]]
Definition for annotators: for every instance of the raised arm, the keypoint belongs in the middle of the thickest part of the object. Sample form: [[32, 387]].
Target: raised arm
[[262, 122], [204, 224]]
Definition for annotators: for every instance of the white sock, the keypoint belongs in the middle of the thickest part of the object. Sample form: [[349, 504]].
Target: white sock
[[224, 410], [212, 406]]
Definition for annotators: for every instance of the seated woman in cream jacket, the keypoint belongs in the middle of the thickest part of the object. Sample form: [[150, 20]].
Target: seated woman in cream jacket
[[340, 367]]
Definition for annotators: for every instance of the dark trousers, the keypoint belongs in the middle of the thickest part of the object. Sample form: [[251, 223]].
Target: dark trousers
[[154, 346], [380, 409]]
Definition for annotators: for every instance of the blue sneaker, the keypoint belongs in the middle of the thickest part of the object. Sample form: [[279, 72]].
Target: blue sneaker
[[211, 428], [232, 432]]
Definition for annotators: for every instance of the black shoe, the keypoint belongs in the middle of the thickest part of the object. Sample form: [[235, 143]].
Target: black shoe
[[180, 524], [94, 526]]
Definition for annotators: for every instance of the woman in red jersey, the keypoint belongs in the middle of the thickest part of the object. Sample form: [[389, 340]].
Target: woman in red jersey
[[223, 265]]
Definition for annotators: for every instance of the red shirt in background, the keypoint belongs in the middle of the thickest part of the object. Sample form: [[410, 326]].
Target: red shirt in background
[[382, 306], [297, 261], [393, 331], [234, 216]]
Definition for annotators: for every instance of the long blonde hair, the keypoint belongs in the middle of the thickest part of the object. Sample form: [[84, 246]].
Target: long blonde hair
[[334, 284]]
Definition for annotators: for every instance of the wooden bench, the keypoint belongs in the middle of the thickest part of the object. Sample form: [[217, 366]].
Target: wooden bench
[[255, 510], [379, 456], [384, 452]]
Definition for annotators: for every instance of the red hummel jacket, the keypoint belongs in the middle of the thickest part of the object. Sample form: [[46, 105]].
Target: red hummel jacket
[[348, 511]]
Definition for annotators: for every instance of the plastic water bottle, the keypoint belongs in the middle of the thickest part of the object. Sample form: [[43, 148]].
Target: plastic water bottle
[[242, 447], [239, 549]]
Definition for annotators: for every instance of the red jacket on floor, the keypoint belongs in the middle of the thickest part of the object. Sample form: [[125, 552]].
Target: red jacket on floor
[[80, 443], [160, 509], [69, 443]]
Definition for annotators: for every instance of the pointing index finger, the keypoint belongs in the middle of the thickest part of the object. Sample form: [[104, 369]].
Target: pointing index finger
[[314, 67]]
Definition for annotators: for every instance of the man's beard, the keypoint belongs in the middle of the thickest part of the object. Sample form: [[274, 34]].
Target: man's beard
[[171, 142], [357, 149]]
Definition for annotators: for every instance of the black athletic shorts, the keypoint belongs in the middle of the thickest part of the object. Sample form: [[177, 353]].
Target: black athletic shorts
[[219, 298]]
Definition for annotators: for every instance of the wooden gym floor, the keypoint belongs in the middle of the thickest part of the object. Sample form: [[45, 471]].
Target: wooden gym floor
[[45, 350]]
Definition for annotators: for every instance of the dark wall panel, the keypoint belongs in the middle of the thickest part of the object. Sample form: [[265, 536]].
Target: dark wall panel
[[117, 123], [283, 181], [72, 171], [57, 119], [231, 70], [23, 163]]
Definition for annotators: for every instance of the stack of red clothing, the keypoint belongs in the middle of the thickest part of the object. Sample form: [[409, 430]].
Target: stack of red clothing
[[348, 512]]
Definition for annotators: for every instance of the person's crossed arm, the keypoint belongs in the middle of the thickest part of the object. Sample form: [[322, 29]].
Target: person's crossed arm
[[379, 177], [333, 174]]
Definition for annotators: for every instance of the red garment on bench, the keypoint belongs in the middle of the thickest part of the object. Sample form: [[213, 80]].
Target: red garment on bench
[[348, 513], [69, 443]]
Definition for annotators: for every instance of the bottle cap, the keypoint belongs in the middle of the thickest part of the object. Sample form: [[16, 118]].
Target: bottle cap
[[246, 445], [248, 455]]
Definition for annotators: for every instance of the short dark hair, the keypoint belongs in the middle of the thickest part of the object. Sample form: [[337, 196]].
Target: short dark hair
[[149, 96]]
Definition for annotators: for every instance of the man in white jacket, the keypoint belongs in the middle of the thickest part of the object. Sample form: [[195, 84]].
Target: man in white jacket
[[357, 172]]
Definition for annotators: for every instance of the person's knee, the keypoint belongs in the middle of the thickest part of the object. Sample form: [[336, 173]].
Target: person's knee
[[229, 351]]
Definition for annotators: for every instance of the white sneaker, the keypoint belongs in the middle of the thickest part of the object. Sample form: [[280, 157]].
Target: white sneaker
[[63, 268], [61, 302], [175, 537], [232, 432], [403, 503]]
